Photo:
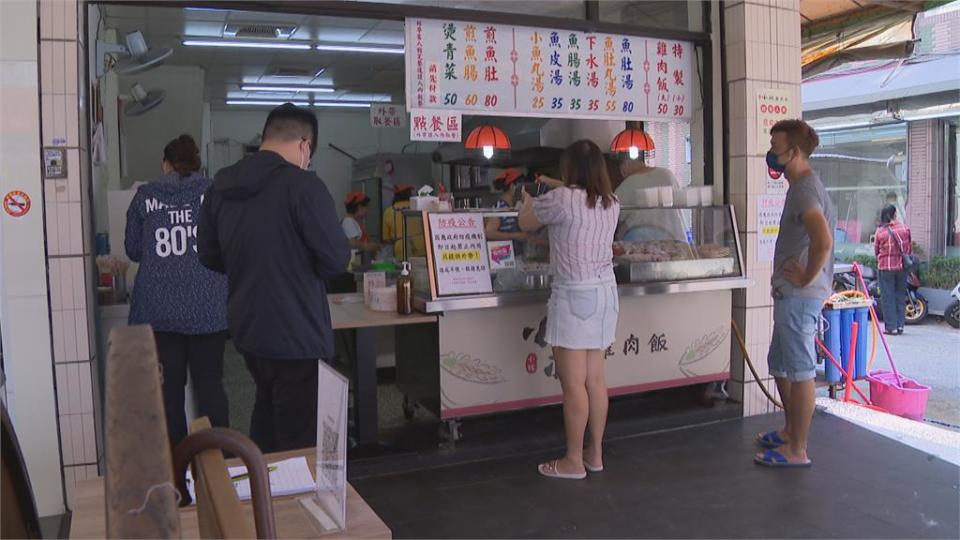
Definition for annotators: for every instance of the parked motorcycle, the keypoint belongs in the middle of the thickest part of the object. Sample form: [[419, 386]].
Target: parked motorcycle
[[917, 308], [952, 313]]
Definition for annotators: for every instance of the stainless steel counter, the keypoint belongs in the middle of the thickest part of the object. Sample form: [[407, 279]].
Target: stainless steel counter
[[540, 296]]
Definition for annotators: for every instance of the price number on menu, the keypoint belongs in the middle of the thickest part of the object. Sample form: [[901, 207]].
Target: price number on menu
[[472, 100], [173, 240]]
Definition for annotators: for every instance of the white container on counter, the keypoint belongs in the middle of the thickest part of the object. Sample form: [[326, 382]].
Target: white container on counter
[[706, 195], [383, 299], [688, 197], [666, 196], [648, 197]]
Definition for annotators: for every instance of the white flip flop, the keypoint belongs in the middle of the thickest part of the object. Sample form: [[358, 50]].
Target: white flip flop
[[591, 468], [549, 469]]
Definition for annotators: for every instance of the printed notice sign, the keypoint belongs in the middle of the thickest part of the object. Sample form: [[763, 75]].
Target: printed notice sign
[[769, 210], [502, 255], [444, 126], [329, 504], [460, 254], [384, 115], [507, 70]]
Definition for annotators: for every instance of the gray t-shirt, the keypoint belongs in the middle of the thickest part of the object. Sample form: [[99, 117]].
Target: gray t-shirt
[[793, 242]]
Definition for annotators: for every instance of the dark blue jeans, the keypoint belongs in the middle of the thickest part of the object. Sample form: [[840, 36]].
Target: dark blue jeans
[[893, 297]]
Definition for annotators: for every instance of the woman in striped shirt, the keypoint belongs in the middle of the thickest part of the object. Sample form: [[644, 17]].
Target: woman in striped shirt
[[891, 242], [581, 215]]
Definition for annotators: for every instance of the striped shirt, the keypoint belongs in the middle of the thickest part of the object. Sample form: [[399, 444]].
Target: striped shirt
[[887, 249], [581, 238]]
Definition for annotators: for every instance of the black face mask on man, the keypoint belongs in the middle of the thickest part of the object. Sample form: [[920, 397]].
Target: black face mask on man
[[773, 161]]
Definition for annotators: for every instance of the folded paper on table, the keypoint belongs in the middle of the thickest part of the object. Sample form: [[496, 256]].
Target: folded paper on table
[[291, 476]]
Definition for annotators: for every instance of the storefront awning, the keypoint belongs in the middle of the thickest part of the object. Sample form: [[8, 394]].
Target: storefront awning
[[860, 83], [846, 30]]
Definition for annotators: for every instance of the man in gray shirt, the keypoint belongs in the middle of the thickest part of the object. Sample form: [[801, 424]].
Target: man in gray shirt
[[801, 282]]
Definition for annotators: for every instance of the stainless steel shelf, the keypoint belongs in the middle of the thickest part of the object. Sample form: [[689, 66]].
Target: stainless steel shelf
[[540, 296]]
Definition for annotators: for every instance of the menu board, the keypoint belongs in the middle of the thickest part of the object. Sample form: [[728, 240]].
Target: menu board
[[505, 70], [460, 254]]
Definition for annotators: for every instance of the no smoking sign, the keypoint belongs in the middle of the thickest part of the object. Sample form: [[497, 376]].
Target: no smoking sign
[[16, 203]]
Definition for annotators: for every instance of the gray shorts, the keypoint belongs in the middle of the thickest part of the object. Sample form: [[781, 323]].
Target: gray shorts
[[583, 316], [793, 353]]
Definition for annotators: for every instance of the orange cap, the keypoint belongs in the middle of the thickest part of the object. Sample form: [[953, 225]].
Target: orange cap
[[510, 176], [355, 197]]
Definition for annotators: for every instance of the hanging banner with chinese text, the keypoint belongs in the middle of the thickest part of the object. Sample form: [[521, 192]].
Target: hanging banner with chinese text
[[460, 254], [505, 70], [443, 126]]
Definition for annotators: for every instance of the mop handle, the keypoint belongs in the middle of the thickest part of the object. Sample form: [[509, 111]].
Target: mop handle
[[843, 372], [851, 360], [876, 324]]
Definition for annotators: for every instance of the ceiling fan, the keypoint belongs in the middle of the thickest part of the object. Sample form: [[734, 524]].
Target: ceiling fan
[[135, 56]]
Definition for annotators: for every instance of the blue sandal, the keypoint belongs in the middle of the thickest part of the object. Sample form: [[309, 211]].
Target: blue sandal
[[772, 458], [770, 439]]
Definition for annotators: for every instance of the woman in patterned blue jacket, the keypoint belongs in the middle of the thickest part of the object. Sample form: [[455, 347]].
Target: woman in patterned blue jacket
[[184, 302]]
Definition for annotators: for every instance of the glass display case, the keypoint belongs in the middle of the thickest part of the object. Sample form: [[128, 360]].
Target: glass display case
[[651, 245], [676, 244]]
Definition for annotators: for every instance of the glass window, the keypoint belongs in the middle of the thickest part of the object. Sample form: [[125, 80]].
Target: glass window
[[567, 9], [672, 149], [863, 169], [669, 14]]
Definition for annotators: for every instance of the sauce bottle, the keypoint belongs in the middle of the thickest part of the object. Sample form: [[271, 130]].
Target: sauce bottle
[[405, 290]]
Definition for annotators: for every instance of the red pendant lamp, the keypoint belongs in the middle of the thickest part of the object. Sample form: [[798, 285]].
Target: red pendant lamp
[[487, 138], [632, 140]]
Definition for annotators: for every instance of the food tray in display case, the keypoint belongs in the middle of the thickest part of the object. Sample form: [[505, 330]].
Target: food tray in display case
[[669, 260]]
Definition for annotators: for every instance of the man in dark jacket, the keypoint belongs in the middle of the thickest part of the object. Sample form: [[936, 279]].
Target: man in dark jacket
[[270, 224]]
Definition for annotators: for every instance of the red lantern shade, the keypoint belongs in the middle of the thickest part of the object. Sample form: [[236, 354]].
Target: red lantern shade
[[487, 138], [631, 138]]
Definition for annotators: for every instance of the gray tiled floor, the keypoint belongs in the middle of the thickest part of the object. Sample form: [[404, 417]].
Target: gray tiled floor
[[698, 482]]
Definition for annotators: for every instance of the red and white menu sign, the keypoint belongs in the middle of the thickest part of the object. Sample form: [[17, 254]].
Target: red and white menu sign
[[497, 69], [433, 125], [460, 254], [387, 115], [773, 105]]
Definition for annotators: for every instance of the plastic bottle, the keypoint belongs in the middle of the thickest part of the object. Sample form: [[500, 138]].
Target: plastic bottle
[[405, 290]]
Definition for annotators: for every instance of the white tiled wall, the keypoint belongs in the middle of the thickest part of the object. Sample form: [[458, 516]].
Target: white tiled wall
[[66, 204], [24, 305]]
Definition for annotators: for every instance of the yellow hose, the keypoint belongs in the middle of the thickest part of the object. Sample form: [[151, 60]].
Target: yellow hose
[[756, 376], [746, 356]]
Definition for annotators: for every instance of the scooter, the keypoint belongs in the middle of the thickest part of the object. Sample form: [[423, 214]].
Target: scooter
[[952, 313], [917, 307]]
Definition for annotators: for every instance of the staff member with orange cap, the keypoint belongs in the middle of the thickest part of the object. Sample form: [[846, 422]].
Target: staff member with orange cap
[[394, 225], [356, 204], [506, 228]]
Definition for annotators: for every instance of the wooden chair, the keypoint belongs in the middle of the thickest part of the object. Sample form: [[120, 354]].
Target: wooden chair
[[140, 495], [219, 511]]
